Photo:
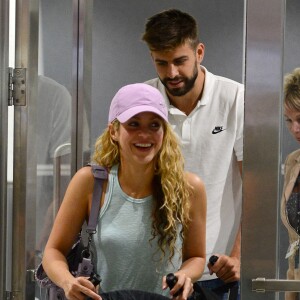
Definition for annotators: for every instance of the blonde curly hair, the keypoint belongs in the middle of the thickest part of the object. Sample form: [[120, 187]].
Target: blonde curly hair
[[171, 189], [292, 90]]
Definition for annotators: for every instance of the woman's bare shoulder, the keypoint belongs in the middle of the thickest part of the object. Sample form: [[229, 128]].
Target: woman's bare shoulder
[[83, 179], [198, 196], [194, 180], [85, 172]]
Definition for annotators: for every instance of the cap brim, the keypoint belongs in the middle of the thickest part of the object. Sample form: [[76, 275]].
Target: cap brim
[[129, 113]]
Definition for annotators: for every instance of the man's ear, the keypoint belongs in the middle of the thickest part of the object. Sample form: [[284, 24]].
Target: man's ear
[[200, 50]]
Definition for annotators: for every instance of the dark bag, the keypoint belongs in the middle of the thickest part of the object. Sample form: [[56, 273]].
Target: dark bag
[[200, 294], [232, 289], [80, 260]]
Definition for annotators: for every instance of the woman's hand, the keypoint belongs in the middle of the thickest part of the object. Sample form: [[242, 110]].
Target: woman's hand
[[184, 285], [80, 288]]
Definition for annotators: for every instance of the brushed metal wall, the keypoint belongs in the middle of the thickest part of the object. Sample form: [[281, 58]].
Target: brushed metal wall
[[261, 171]]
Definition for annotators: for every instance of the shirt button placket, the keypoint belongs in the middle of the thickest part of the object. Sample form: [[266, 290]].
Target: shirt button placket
[[186, 130]]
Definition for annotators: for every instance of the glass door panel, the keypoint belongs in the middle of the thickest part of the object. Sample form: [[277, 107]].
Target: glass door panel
[[265, 263], [41, 135], [54, 113], [272, 29]]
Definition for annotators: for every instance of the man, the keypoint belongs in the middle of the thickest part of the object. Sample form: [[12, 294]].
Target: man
[[53, 131], [207, 113]]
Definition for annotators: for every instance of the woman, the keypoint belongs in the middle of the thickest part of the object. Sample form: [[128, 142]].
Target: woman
[[153, 214], [290, 203]]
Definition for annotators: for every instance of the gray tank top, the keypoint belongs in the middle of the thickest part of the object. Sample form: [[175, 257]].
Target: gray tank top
[[126, 258]]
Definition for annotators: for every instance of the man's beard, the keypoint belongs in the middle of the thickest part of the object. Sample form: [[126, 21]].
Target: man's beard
[[189, 83]]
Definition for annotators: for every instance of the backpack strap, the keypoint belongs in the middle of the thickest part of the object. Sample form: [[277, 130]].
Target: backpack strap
[[100, 174]]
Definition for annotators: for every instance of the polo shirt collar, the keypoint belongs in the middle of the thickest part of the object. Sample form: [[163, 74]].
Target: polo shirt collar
[[207, 88]]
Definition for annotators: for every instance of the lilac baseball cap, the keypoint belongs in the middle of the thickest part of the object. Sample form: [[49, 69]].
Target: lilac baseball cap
[[135, 98]]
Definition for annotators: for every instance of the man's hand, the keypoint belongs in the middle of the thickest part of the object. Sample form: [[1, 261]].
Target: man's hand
[[226, 268]]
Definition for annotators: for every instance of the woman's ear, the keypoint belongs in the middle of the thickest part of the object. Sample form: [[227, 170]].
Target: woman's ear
[[114, 138], [113, 133]]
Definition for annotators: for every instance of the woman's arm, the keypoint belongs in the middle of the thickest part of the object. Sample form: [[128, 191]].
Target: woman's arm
[[73, 211]]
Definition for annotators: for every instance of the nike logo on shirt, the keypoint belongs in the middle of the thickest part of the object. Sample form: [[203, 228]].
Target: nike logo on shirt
[[217, 129]]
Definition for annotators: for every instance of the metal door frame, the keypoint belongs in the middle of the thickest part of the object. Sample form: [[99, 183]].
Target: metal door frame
[[82, 82], [4, 45], [262, 153], [24, 160]]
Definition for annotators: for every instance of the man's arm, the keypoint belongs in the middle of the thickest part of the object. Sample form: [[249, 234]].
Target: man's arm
[[235, 254], [228, 268]]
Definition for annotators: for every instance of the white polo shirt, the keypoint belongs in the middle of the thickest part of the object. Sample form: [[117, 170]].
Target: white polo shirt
[[212, 143]]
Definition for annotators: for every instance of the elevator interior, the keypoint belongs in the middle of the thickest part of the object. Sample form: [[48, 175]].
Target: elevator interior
[[86, 50]]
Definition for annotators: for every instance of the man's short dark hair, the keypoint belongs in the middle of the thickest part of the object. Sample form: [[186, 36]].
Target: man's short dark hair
[[170, 29]]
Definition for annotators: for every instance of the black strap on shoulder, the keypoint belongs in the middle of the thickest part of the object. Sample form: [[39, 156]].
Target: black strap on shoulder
[[100, 174]]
